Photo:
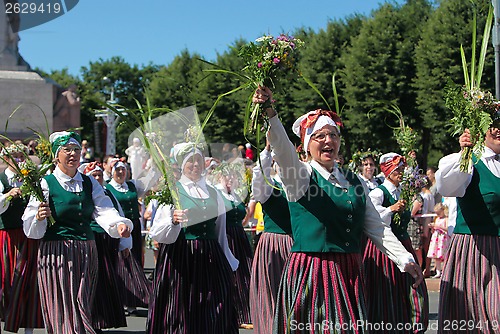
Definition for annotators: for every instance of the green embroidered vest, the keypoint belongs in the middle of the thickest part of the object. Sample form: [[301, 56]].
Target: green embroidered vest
[[72, 212], [399, 230], [234, 213], [12, 217], [128, 200], [202, 211], [478, 211], [328, 218], [276, 212]]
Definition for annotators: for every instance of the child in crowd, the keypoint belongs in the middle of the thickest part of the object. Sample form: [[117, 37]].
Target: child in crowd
[[439, 239]]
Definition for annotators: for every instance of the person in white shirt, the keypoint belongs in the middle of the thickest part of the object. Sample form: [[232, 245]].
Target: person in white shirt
[[470, 288], [67, 258], [193, 284], [329, 213]]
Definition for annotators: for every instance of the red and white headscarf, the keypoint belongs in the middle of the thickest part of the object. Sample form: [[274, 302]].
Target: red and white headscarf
[[89, 168], [389, 162], [313, 121]]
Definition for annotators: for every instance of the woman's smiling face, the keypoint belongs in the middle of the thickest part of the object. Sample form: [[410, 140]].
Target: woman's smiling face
[[324, 146]]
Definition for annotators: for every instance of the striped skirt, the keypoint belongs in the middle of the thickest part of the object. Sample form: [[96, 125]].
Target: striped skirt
[[19, 269], [470, 286], [269, 260], [320, 293], [192, 290], [240, 247], [107, 310], [390, 297], [134, 286], [67, 275]]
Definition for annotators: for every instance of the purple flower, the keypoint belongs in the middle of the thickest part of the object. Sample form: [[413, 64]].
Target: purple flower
[[259, 65], [276, 60]]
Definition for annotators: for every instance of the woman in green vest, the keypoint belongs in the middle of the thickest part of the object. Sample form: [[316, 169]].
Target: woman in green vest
[[274, 245], [321, 287], [193, 284], [470, 282], [133, 283], [226, 176], [391, 297], [67, 256], [19, 295]]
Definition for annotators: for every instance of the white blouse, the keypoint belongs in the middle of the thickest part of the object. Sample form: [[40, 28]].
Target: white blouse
[[296, 175], [165, 231], [377, 198], [104, 213], [13, 182]]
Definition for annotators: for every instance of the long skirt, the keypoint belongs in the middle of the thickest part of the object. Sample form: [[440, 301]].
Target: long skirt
[[269, 260], [107, 310], [19, 269], [192, 290], [137, 242], [134, 286], [67, 276], [390, 297], [321, 293], [469, 299], [240, 247]]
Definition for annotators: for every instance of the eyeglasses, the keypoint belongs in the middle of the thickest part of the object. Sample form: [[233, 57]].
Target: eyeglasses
[[69, 150], [321, 137]]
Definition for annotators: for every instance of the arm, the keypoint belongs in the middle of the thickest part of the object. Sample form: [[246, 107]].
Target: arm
[[163, 228], [34, 228], [220, 229], [376, 196], [261, 189], [105, 214]]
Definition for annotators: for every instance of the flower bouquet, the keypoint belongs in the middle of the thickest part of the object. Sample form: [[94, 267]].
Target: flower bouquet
[[472, 107], [27, 171], [413, 182]]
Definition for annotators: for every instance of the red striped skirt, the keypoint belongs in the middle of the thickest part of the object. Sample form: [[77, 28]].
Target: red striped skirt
[[21, 297], [67, 276], [320, 293], [107, 310], [390, 297], [240, 247], [134, 286], [192, 290], [469, 299], [270, 257]]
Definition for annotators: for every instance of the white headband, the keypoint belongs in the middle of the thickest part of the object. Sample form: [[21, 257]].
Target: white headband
[[318, 125]]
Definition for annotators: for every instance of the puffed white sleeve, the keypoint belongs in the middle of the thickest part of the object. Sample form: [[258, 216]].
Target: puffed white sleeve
[[163, 229], [220, 229], [376, 196], [33, 228], [105, 213], [450, 181], [261, 189]]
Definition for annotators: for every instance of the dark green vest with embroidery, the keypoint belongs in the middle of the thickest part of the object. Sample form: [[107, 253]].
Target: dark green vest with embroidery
[[399, 230], [11, 218], [202, 211], [234, 212], [128, 200], [96, 228], [478, 211], [72, 212], [276, 212], [328, 218]]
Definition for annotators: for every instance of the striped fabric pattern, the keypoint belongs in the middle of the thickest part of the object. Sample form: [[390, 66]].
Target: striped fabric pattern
[[240, 247], [320, 293], [270, 257], [390, 297], [192, 290], [470, 285], [67, 275], [8, 255], [134, 286], [23, 310], [106, 309]]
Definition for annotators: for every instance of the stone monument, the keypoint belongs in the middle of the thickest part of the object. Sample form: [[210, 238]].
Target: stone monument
[[38, 102]]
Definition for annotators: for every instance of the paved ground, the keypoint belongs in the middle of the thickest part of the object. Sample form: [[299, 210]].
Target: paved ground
[[137, 323]]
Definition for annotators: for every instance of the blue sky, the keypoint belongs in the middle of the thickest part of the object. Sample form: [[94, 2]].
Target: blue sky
[[155, 31]]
